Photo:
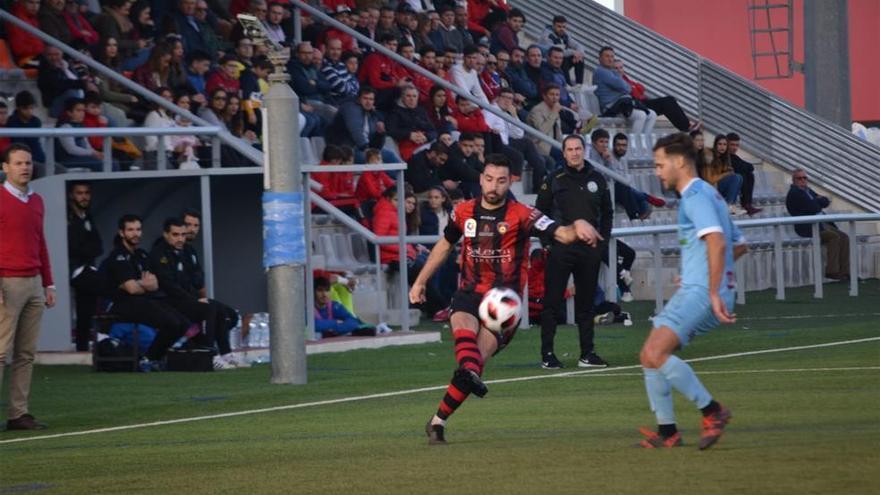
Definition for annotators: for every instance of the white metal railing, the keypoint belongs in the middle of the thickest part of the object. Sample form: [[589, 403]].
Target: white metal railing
[[777, 223], [51, 133]]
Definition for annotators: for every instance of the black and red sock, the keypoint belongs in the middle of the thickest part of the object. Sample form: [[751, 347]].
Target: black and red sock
[[467, 355]]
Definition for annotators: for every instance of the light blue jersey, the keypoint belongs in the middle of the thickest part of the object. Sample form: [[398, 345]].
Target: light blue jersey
[[701, 211]]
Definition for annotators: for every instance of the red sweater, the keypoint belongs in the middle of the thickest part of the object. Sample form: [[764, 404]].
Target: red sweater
[[472, 122], [380, 72], [336, 184], [385, 223], [23, 251], [22, 43], [371, 185]]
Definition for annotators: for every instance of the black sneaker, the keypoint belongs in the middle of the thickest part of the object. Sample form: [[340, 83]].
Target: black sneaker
[[550, 362], [435, 434], [591, 360], [473, 382]]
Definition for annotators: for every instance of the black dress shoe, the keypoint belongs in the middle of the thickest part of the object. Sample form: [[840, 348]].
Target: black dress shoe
[[25, 422]]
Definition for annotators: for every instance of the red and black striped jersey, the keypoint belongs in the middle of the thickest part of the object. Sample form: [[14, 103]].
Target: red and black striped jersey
[[495, 249]]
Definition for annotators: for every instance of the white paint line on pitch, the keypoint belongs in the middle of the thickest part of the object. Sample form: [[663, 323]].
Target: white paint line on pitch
[[804, 317], [413, 391], [745, 372]]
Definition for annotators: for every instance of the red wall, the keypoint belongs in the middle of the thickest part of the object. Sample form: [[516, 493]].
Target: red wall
[[719, 31]]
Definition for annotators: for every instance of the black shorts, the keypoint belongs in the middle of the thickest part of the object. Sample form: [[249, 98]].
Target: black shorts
[[469, 302]]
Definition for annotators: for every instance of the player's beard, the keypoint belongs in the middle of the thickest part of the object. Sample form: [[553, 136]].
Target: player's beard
[[492, 198]]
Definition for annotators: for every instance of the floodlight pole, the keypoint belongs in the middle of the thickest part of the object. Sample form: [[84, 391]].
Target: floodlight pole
[[286, 278]]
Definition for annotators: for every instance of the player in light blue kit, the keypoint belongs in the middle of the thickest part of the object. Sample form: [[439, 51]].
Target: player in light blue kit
[[710, 243]]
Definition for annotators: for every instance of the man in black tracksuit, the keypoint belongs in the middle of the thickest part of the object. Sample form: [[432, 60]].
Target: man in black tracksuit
[[578, 192], [83, 246], [135, 290], [168, 263]]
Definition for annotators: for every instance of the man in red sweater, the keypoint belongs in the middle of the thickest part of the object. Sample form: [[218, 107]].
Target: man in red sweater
[[25, 280]]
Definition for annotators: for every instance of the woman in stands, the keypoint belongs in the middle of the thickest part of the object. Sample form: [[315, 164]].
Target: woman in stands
[[439, 112], [157, 118], [177, 76], [112, 92], [154, 73], [142, 22], [215, 110], [185, 147], [435, 212], [719, 172], [700, 148]]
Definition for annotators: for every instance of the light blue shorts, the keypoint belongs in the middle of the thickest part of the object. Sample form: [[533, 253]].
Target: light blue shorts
[[689, 312]]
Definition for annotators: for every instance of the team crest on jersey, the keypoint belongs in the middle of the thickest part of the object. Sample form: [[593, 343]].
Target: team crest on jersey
[[592, 186], [503, 227], [470, 227]]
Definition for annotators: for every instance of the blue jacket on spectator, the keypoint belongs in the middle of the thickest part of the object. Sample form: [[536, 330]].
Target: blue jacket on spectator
[[343, 84], [802, 202], [610, 87], [14, 121], [307, 81], [355, 127], [197, 81], [186, 28], [521, 82], [334, 317], [559, 78]]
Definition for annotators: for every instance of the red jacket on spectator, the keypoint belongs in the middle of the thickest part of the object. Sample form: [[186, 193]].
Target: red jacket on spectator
[[423, 84], [473, 122], [490, 86], [77, 24], [385, 223], [97, 142], [238, 7], [371, 185], [219, 79], [24, 46], [479, 9], [332, 5], [380, 72], [638, 89], [337, 185]]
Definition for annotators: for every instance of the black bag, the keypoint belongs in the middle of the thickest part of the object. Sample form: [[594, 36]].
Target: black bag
[[113, 348], [196, 359]]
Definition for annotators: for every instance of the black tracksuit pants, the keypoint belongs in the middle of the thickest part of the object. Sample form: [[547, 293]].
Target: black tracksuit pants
[[170, 324], [582, 262], [87, 286]]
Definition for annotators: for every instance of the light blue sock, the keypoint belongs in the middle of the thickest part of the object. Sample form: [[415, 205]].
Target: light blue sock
[[681, 376], [660, 396]]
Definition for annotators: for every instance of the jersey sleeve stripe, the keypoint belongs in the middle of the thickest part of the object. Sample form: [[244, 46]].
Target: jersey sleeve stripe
[[709, 230]]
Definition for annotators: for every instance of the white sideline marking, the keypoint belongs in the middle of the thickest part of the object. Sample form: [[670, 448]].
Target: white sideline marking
[[414, 391], [804, 317], [743, 372]]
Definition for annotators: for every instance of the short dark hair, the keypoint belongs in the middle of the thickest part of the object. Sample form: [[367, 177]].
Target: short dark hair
[[678, 144], [191, 212], [3, 104], [403, 44], [366, 90], [228, 58], [172, 222], [470, 50], [439, 147], [695, 133], [127, 218], [13, 148], [549, 86], [578, 137], [262, 62], [604, 49], [446, 8], [75, 183], [72, 102], [732, 136], [347, 55], [385, 38], [559, 18], [515, 12], [198, 56], [599, 134], [555, 49], [498, 160], [620, 137], [371, 153], [456, 194], [426, 50], [467, 136], [322, 283], [24, 99], [333, 152], [505, 91]]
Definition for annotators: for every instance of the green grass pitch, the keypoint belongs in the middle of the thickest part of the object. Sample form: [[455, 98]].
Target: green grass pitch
[[805, 421]]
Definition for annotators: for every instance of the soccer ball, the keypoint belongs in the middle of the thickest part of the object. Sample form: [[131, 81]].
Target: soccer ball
[[500, 309]]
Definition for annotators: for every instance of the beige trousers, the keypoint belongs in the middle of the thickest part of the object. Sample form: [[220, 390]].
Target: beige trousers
[[23, 303]]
